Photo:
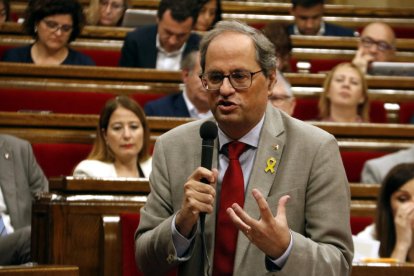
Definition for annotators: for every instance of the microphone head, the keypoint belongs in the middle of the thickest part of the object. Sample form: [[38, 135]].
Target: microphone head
[[208, 130]]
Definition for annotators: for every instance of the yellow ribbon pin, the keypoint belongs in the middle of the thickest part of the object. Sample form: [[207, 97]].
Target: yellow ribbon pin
[[271, 163]]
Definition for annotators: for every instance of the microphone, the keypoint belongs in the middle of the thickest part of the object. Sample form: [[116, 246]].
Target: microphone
[[208, 132]]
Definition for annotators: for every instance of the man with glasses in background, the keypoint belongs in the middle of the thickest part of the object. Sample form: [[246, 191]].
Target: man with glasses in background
[[271, 190], [377, 43], [282, 96], [162, 46]]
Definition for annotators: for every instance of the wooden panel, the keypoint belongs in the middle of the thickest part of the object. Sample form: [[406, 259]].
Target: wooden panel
[[382, 269], [67, 229], [40, 270]]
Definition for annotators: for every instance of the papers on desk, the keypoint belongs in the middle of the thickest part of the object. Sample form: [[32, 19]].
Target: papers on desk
[[364, 249]]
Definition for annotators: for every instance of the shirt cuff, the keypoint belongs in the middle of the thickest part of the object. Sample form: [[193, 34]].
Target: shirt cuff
[[181, 243], [277, 264]]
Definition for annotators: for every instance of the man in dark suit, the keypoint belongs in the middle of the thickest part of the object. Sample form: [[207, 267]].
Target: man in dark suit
[[308, 20], [192, 101], [20, 179], [162, 46]]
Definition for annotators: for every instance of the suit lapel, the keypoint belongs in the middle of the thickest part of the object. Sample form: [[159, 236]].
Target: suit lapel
[[271, 145], [7, 179]]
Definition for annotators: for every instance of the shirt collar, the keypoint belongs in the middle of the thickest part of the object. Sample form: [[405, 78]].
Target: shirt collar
[[194, 113], [320, 32], [168, 54], [251, 138]]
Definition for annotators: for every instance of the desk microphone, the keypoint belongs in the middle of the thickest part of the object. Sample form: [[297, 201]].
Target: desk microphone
[[208, 132]]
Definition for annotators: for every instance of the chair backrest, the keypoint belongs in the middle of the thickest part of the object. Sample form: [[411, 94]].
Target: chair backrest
[[354, 162], [59, 159]]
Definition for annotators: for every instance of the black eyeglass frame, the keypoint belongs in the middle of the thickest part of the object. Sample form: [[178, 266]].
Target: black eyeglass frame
[[203, 78], [383, 46]]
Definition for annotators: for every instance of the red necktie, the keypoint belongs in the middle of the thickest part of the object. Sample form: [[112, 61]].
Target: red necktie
[[232, 191]]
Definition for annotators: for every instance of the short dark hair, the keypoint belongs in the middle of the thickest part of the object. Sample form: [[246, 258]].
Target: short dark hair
[[6, 4], [180, 9], [38, 9], [307, 3]]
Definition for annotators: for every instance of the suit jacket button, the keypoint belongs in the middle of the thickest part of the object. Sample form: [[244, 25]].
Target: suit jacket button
[[170, 258]]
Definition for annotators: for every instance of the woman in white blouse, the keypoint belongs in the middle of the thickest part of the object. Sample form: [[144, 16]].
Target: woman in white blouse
[[121, 147]]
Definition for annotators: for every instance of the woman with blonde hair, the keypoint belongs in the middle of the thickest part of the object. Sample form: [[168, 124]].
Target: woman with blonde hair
[[107, 12], [121, 147], [345, 95]]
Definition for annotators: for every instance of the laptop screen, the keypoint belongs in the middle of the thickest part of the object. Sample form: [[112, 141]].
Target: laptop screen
[[137, 18], [391, 68]]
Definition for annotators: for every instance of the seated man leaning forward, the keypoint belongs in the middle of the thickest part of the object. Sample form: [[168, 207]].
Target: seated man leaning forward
[[262, 214], [162, 46], [192, 102]]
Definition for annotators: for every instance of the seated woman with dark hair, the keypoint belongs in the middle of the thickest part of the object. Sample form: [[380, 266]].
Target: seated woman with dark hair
[[394, 224], [53, 24], [121, 147], [209, 15], [345, 95], [4, 11]]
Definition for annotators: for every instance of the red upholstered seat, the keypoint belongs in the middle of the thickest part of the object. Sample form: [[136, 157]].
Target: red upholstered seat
[[55, 101], [307, 109], [59, 159], [359, 223], [61, 101], [4, 48], [129, 224], [103, 57], [354, 161]]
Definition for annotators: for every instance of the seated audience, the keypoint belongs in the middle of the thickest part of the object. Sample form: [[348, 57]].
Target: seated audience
[[394, 224], [209, 15], [192, 102], [345, 95], [278, 35], [376, 169], [21, 179], [106, 12], [308, 20], [121, 147], [282, 96], [377, 43], [4, 11], [162, 46], [53, 24]]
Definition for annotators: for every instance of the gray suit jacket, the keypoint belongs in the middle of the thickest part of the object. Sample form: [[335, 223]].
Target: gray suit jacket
[[375, 170], [20, 179], [309, 169]]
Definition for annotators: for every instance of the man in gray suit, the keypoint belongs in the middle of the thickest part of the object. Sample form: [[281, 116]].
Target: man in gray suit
[[376, 169], [295, 219], [20, 179]]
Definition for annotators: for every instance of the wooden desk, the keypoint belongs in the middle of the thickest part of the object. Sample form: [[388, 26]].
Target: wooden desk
[[40, 270], [67, 227], [372, 269]]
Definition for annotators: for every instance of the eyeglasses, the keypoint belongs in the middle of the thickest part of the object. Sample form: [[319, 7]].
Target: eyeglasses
[[54, 26], [113, 5], [240, 79], [382, 46]]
